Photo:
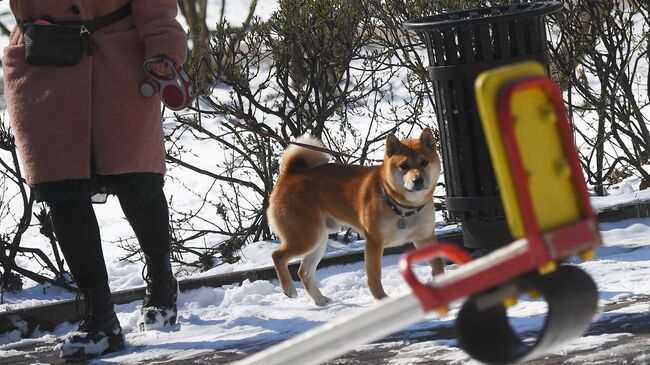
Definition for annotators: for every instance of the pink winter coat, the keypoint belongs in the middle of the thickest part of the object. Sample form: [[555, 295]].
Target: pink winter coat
[[71, 121]]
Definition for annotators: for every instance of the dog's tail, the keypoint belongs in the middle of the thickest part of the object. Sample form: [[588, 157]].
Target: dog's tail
[[297, 158]]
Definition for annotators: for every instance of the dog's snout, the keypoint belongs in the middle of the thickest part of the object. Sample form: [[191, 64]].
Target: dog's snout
[[418, 181]]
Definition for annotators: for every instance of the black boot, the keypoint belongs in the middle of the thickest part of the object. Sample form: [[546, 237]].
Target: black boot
[[159, 305], [99, 332]]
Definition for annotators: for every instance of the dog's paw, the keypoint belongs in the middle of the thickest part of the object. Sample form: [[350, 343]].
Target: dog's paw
[[380, 297], [291, 292], [322, 301]]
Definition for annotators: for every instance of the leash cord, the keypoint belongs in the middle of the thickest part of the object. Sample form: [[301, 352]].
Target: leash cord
[[259, 132]]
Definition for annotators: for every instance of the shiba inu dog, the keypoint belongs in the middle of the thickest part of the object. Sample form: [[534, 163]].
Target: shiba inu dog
[[390, 204]]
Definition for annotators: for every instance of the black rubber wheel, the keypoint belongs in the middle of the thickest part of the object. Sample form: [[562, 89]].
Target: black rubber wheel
[[572, 299]]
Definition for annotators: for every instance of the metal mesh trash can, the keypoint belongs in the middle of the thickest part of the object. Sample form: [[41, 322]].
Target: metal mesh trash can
[[461, 45]]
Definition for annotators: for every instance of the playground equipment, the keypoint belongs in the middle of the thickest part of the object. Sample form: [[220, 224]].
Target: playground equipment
[[549, 214]]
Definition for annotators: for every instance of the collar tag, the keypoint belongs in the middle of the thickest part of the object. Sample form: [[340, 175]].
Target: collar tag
[[404, 212]]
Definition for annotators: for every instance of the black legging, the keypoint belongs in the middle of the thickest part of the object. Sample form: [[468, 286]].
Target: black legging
[[77, 231]]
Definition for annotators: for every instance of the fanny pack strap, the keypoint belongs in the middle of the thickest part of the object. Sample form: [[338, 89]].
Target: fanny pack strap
[[108, 19], [99, 22]]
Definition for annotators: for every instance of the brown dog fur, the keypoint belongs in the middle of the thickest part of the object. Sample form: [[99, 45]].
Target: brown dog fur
[[313, 198]]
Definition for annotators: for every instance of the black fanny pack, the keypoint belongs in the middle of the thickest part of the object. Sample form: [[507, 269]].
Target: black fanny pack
[[63, 44]]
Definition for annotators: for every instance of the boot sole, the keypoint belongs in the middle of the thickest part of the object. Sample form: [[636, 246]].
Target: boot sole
[[115, 343], [167, 323]]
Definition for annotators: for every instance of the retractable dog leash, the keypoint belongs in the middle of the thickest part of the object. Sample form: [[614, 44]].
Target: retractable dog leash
[[176, 93], [175, 90], [304, 145]]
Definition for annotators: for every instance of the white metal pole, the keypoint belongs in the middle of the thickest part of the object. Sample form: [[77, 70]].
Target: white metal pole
[[335, 338], [338, 337]]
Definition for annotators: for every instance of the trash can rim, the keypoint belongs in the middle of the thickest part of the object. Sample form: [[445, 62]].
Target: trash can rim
[[512, 11]]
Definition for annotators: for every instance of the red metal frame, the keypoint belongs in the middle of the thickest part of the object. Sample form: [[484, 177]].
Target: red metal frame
[[542, 247], [423, 291]]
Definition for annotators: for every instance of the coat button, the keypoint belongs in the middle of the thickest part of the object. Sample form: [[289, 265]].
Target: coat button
[[75, 9]]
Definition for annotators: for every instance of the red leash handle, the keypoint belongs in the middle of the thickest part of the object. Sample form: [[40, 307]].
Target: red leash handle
[[428, 296], [175, 89]]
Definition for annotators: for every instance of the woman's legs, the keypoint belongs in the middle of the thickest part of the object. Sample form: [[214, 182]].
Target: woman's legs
[[145, 207], [77, 231], [149, 218], [75, 224]]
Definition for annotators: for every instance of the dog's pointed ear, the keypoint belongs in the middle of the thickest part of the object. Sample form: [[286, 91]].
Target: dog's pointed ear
[[427, 139], [392, 145]]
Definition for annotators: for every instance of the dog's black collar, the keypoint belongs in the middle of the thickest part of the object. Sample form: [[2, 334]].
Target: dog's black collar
[[403, 211]]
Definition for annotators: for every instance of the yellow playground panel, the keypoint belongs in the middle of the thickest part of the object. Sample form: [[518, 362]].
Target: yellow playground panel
[[555, 200]]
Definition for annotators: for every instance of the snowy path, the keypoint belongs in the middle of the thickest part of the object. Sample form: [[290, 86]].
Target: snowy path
[[615, 338], [227, 323]]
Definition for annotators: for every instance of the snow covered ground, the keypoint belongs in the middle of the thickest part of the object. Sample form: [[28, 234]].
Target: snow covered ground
[[243, 317]]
